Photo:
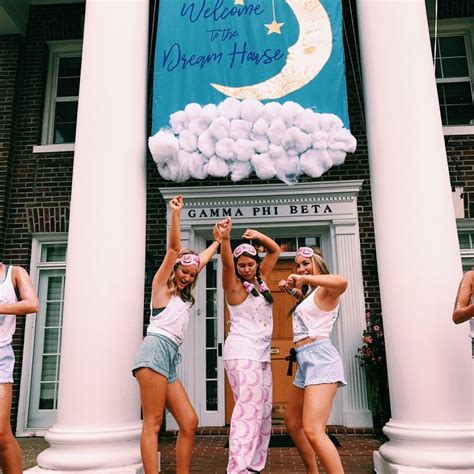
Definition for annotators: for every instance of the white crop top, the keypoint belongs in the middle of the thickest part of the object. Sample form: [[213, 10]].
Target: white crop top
[[310, 321], [7, 321], [250, 331], [172, 322]]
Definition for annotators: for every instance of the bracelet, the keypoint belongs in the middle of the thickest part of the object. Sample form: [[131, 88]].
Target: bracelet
[[218, 241]]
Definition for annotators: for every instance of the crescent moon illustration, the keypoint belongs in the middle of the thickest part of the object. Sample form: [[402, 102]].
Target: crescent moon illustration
[[305, 58]]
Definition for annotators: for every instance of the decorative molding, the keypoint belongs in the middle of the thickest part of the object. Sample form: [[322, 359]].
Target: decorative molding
[[56, 148], [43, 220]]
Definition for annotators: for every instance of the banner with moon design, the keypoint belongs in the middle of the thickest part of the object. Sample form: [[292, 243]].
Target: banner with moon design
[[243, 86]]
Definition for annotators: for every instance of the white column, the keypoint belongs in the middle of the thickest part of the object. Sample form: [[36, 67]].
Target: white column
[[352, 321], [429, 360], [98, 424]]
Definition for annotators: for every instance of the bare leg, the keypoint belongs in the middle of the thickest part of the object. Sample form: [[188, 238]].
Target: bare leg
[[153, 388], [178, 404], [294, 424], [317, 407], [10, 454]]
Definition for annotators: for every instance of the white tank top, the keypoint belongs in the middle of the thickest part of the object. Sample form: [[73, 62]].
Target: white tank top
[[250, 331], [172, 322], [7, 321], [310, 321]]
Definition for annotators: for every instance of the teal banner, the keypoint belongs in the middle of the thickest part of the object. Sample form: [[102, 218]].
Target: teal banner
[[279, 64]]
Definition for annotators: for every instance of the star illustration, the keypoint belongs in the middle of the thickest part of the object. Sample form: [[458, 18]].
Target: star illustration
[[274, 27], [238, 2]]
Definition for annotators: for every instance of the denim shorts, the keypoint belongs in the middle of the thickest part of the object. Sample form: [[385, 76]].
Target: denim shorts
[[159, 353], [318, 362], [7, 361]]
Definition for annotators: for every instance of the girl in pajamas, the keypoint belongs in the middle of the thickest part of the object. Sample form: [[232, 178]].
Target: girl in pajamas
[[155, 365], [320, 370], [247, 348]]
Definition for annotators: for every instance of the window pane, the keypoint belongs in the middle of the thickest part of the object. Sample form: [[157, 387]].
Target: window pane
[[53, 314], [211, 306], [459, 114], [457, 93], [466, 240], [66, 112], [69, 67], [287, 244], [211, 364], [65, 133], [53, 253], [313, 242], [47, 392], [211, 273], [55, 285], [48, 372], [452, 46], [467, 264], [68, 87], [438, 71], [51, 341], [455, 67], [211, 333], [211, 396]]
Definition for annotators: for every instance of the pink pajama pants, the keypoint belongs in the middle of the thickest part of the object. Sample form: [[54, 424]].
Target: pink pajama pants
[[251, 423]]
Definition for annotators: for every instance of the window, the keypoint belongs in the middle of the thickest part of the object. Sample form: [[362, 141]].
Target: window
[[454, 72], [42, 350], [62, 92]]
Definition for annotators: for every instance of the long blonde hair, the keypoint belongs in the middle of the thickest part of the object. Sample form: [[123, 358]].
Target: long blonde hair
[[185, 294]]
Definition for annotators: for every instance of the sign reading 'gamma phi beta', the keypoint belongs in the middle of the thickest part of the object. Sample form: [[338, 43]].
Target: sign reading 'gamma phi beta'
[[249, 86]]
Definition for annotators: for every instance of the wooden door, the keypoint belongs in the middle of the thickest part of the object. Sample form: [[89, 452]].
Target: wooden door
[[281, 344]]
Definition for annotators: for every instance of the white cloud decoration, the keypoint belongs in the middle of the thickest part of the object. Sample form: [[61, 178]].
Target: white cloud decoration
[[238, 137]]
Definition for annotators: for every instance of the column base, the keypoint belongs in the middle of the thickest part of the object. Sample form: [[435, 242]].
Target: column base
[[135, 469], [96, 448], [383, 467], [434, 448]]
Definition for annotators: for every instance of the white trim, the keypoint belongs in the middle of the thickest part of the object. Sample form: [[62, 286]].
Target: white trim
[[458, 130], [30, 326], [57, 50], [53, 148]]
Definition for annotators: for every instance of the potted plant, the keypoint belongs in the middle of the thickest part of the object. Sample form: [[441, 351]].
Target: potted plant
[[371, 356]]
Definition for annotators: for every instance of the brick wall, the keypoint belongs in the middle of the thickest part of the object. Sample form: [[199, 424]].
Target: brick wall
[[36, 188], [39, 184]]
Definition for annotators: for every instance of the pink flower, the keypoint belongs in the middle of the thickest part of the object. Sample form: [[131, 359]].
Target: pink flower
[[368, 339], [376, 328], [367, 315], [263, 287]]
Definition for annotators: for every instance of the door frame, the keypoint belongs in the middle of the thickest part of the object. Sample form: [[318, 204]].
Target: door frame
[[281, 210], [30, 328]]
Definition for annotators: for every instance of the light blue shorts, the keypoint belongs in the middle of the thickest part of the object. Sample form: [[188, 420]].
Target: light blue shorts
[[318, 362], [7, 361], [159, 353]]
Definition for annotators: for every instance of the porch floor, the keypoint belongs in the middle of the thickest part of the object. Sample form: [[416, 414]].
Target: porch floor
[[210, 455]]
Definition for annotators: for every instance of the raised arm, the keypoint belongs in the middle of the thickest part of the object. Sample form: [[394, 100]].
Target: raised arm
[[229, 280], [207, 254], [272, 248], [28, 302], [173, 245], [335, 285], [463, 308]]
